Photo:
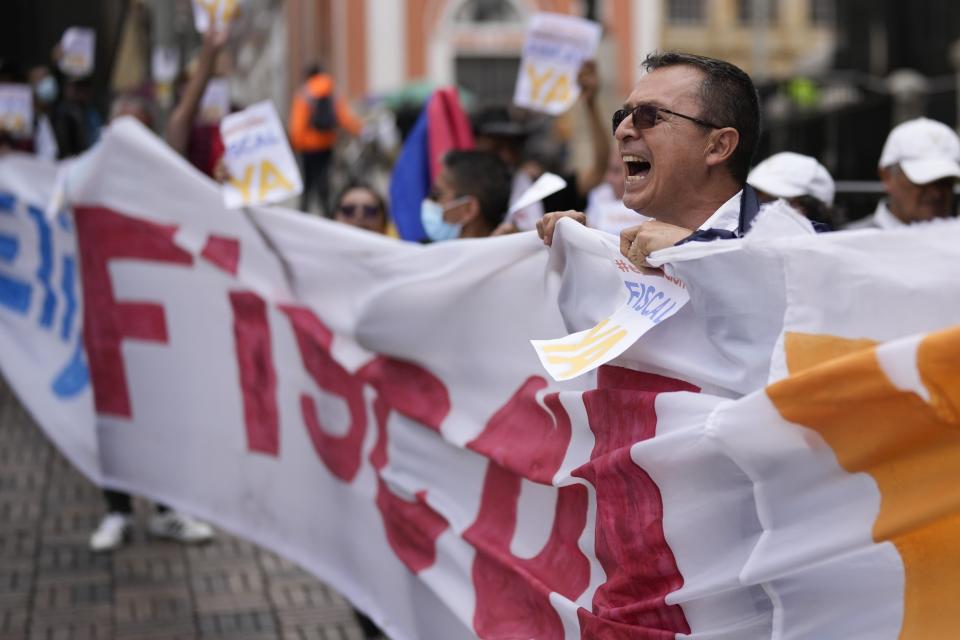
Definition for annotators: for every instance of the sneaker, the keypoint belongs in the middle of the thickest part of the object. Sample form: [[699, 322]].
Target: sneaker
[[113, 530], [180, 527]]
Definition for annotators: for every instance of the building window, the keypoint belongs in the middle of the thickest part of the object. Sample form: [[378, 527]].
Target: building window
[[686, 12], [745, 11], [822, 12], [474, 11]]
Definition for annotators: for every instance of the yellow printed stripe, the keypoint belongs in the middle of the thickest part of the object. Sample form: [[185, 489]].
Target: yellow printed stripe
[[591, 348]]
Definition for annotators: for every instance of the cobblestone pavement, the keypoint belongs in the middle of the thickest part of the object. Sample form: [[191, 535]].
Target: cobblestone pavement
[[52, 587]]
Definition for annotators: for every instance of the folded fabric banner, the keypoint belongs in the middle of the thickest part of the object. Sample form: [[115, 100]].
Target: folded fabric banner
[[380, 418]]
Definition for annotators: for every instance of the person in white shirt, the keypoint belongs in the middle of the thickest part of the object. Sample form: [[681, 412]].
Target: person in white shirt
[[800, 180], [919, 166], [687, 135]]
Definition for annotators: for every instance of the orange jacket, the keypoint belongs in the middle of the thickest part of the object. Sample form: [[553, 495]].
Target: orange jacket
[[302, 137]]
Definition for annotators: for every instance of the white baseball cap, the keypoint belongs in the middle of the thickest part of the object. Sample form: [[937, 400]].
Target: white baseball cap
[[788, 175], [925, 149]]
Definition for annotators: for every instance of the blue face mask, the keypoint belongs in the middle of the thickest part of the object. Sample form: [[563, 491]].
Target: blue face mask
[[438, 229], [47, 90]]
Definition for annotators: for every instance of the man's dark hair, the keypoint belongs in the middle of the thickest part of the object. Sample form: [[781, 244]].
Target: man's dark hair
[[727, 98], [484, 176]]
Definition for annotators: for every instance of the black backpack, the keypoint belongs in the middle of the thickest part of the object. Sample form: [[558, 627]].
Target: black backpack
[[323, 116]]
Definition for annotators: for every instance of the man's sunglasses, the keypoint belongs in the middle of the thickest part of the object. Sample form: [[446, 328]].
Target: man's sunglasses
[[646, 116], [353, 210]]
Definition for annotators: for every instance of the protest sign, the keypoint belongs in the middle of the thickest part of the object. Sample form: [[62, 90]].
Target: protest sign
[[554, 49], [650, 297], [16, 109], [258, 158], [215, 13], [77, 51]]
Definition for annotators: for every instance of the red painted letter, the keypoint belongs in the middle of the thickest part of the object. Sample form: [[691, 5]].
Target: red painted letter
[[630, 542], [105, 235], [412, 527], [258, 379], [513, 593], [340, 454]]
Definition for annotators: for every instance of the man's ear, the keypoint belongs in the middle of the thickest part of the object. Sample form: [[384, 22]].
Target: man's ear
[[721, 145]]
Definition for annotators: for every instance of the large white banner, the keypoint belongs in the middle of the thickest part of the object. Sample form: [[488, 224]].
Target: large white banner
[[374, 410]]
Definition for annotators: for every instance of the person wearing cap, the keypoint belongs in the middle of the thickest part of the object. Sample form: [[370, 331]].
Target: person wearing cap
[[919, 165], [800, 180]]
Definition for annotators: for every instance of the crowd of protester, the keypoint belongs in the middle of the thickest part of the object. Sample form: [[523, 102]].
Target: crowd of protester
[[508, 142], [677, 166]]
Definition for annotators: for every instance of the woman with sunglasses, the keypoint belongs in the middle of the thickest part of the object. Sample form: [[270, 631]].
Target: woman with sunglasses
[[360, 206]]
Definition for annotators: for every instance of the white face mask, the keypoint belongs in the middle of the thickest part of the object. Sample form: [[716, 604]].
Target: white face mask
[[438, 229]]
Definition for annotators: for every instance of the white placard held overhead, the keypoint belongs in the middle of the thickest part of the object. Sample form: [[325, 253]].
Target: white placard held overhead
[[554, 49], [258, 158], [215, 103], [218, 13], [78, 46], [16, 110]]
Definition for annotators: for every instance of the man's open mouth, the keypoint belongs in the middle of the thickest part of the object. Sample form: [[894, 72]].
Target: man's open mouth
[[637, 168]]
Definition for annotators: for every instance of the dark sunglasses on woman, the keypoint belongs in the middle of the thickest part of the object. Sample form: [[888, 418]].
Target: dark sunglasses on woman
[[355, 210]]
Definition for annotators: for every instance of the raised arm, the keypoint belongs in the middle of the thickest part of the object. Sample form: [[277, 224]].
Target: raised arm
[[184, 114], [589, 178]]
